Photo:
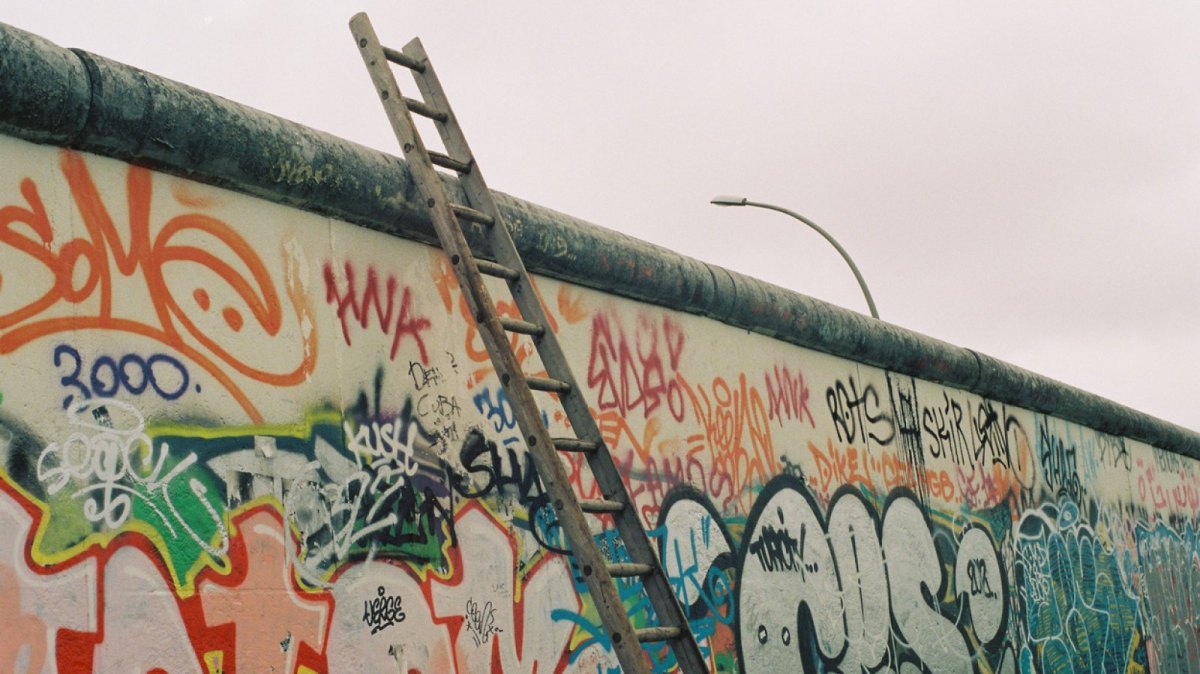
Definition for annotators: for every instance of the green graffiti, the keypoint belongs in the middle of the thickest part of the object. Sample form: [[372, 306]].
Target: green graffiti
[[180, 487], [97, 488]]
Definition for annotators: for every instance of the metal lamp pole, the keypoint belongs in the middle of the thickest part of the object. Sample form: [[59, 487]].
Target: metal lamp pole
[[742, 201]]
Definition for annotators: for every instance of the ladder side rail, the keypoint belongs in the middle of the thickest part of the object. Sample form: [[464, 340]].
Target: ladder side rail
[[555, 478], [524, 294], [604, 469], [475, 187], [427, 179], [451, 133]]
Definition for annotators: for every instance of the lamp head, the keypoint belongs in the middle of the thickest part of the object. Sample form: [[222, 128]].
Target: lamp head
[[726, 200]]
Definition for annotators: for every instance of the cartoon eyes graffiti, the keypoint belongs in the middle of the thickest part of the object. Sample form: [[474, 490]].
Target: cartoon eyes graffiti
[[785, 635]]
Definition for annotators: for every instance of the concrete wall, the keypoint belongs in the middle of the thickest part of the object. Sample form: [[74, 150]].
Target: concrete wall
[[241, 436]]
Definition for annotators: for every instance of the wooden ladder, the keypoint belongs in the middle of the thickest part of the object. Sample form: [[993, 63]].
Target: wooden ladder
[[597, 571]]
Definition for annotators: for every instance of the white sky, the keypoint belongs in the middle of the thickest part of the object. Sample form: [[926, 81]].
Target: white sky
[[1019, 178]]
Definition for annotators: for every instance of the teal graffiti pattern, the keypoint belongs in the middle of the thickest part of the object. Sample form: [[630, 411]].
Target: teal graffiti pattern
[[1074, 595]]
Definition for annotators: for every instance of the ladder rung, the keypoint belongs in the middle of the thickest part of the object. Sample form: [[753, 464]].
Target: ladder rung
[[497, 270], [401, 60], [657, 634], [629, 569], [424, 110], [523, 327], [575, 445], [467, 213], [544, 384], [447, 162], [597, 506]]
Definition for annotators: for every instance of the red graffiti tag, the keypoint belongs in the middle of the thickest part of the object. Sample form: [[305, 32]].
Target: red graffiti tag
[[787, 396], [627, 374], [357, 304]]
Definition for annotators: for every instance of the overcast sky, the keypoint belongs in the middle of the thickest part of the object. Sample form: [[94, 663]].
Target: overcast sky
[[1019, 178]]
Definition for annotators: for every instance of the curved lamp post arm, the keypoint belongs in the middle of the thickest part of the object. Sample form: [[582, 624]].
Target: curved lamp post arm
[[742, 201]]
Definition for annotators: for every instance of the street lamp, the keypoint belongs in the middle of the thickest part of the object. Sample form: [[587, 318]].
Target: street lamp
[[742, 201]]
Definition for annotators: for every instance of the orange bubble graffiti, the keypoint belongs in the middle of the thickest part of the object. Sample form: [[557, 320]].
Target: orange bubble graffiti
[[737, 432], [83, 271]]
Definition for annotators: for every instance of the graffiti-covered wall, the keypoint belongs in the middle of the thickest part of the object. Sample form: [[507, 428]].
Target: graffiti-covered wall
[[239, 436]]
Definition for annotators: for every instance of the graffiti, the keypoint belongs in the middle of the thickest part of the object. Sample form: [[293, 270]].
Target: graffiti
[[849, 574], [984, 590], [176, 485], [653, 482], [903, 393], [976, 571], [944, 424], [111, 465], [209, 480], [1058, 462], [387, 446], [1164, 489], [382, 612], [525, 636], [344, 506], [270, 635], [424, 377], [440, 414], [421, 643], [1170, 582], [93, 276], [490, 472], [481, 622], [628, 374], [1073, 595], [730, 416], [442, 406], [358, 305], [1000, 439], [858, 416], [787, 396], [779, 550], [494, 405], [1114, 452], [483, 459], [132, 374], [878, 473], [699, 560]]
